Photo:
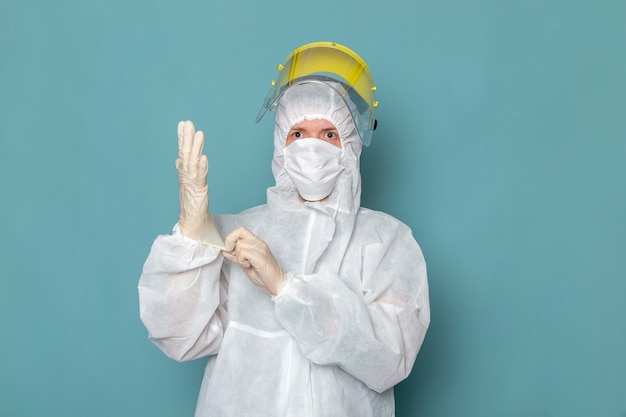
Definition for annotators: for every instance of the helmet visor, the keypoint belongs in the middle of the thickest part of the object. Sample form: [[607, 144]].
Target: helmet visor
[[328, 61]]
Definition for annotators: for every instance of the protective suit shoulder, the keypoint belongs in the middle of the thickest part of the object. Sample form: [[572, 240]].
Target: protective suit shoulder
[[380, 223]]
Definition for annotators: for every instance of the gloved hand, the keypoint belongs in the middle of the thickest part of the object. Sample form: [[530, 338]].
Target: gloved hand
[[192, 168], [255, 258]]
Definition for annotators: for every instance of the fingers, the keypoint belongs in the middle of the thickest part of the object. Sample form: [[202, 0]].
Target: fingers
[[196, 152], [231, 240], [203, 166], [229, 256], [244, 247], [184, 141], [253, 255], [181, 127], [190, 146], [233, 258]]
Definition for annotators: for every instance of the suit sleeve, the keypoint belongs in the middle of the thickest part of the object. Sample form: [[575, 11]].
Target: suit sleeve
[[373, 331], [181, 297]]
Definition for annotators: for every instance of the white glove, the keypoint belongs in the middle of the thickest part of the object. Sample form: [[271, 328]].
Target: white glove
[[195, 221], [255, 258]]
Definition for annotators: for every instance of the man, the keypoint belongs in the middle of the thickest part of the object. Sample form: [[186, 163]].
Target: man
[[314, 306]]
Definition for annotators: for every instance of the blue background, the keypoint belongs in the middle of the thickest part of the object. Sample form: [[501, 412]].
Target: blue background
[[501, 142]]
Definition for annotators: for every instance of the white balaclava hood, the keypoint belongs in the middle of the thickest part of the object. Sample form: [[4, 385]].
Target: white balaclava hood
[[310, 101]]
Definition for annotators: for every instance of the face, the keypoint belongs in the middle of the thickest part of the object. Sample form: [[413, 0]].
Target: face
[[319, 128]]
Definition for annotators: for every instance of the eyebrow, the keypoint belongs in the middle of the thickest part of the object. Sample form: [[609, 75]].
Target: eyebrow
[[328, 129]]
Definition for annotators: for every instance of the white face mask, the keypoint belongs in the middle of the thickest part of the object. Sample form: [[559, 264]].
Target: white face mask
[[313, 165]]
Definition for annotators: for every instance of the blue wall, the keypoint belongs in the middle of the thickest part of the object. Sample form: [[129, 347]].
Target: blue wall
[[501, 142]]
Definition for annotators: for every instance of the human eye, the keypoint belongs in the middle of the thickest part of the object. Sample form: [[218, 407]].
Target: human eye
[[295, 134], [331, 136]]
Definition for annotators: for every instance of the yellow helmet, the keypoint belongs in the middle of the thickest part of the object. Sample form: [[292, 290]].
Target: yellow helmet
[[342, 68]]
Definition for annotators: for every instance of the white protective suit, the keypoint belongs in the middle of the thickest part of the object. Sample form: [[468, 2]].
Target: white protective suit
[[343, 329]]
